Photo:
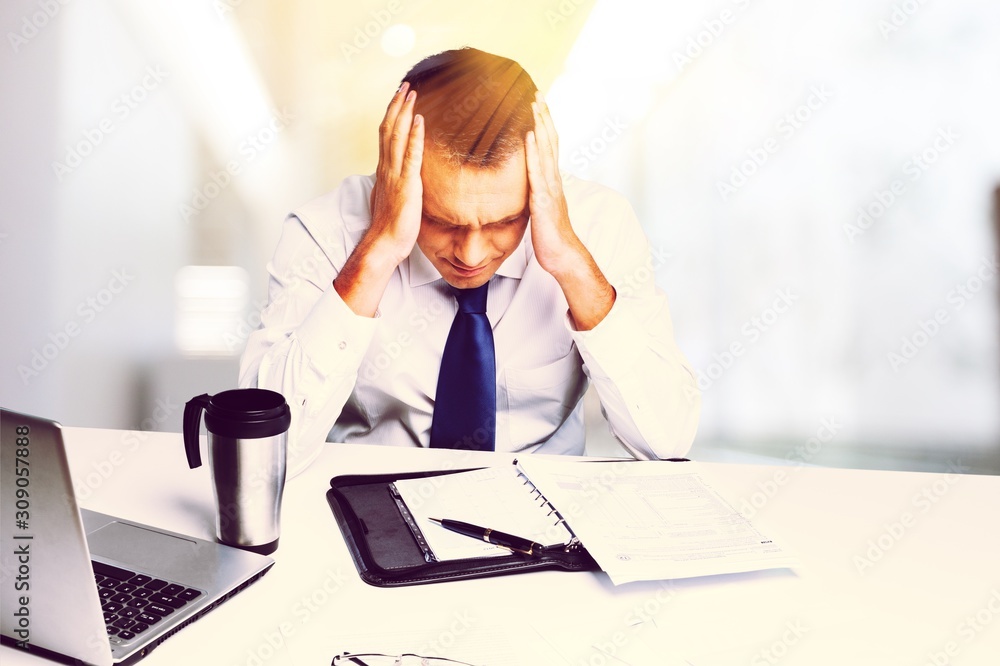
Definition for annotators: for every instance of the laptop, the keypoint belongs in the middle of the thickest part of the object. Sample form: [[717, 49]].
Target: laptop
[[87, 586]]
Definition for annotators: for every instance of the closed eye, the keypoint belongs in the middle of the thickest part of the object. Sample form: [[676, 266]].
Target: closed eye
[[511, 220], [441, 223]]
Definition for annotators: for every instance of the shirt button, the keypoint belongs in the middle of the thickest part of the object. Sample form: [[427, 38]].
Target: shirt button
[[342, 345]]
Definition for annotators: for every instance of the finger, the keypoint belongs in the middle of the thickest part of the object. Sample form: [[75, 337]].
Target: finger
[[550, 125], [546, 160], [531, 158], [400, 134], [536, 183], [414, 149], [542, 137], [389, 120]]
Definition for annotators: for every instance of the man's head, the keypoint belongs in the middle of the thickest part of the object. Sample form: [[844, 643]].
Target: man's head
[[477, 111]]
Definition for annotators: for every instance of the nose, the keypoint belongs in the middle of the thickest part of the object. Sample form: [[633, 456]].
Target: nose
[[472, 248]]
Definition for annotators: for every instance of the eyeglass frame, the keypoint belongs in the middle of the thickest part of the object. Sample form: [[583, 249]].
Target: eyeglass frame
[[431, 661]]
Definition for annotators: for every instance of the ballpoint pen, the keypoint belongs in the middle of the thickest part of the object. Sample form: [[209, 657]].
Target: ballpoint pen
[[502, 539]]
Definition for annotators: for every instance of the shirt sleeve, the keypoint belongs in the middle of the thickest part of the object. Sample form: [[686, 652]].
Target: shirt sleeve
[[310, 344], [648, 392]]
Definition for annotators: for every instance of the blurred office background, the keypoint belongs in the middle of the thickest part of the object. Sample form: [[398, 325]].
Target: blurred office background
[[818, 182]]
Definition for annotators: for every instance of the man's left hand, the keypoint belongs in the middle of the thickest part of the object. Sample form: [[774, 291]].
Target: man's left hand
[[556, 245], [557, 248]]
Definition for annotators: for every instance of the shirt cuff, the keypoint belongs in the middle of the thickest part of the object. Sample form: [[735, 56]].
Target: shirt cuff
[[335, 338], [607, 346]]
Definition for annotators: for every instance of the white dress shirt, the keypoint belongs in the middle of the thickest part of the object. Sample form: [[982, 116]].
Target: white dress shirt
[[349, 378]]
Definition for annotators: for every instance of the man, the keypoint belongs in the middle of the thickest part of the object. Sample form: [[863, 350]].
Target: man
[[369, 332]]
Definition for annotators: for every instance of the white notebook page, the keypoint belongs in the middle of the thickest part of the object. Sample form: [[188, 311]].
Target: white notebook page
[[492, 497]]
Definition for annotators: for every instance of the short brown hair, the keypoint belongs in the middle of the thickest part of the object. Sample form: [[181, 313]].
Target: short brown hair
[[476, 105]]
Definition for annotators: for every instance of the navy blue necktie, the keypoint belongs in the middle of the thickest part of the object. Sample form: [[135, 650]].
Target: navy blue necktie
[[465, 407]]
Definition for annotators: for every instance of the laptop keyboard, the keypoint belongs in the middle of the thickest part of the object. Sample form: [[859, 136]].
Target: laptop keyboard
[[134, 602]]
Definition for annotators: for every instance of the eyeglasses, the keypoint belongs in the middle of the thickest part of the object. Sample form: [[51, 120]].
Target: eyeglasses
[[375, 659]]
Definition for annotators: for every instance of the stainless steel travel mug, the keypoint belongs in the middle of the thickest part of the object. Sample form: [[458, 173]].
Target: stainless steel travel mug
[[247, 450]]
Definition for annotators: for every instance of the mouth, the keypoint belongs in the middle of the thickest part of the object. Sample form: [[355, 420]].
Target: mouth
[[467, 272]]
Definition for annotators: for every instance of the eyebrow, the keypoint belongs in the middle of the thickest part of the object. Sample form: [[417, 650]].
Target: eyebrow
[[509, 218]]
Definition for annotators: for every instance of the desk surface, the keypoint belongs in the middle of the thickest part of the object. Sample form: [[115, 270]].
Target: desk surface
[[897, 568]]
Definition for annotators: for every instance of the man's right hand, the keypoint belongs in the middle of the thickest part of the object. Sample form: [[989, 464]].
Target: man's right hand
[[396, 203], [397, 198]]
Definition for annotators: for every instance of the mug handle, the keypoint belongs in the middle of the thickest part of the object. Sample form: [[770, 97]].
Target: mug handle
[[192, 426]]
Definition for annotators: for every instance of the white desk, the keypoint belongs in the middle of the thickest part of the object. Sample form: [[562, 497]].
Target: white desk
[[932, 598]]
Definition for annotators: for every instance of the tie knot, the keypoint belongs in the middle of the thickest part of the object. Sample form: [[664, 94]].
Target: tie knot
[[471, 301]]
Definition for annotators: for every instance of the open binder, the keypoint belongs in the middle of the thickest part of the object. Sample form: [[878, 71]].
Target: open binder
[[389, 551], [641, 520]]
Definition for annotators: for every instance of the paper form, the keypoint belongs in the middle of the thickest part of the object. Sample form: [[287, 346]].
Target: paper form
[[493, 497], [653, 520]]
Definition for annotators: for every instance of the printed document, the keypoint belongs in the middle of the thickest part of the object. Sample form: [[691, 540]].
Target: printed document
[[652, 520]]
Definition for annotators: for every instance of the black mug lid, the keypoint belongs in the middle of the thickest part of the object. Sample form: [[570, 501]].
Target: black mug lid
[[248, 413]]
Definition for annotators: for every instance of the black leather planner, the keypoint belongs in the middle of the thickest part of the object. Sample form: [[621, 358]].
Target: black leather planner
[[388, 550]]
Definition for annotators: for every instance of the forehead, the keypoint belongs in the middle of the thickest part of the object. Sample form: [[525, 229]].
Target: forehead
[[468, 195]]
